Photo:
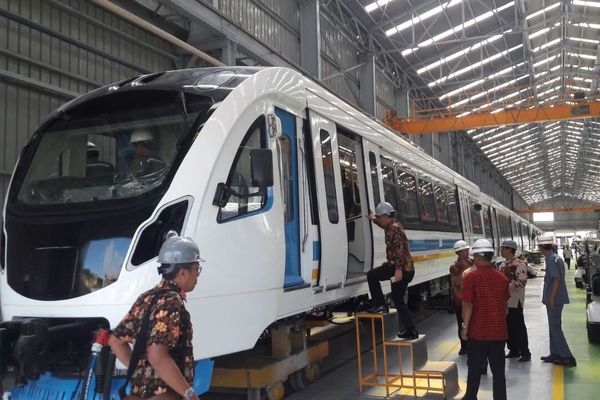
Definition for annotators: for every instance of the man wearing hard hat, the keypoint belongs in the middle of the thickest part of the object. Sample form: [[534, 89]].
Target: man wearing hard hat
[[555, 296], [399, 268], [161, 365], [484, 296], [144, 162], [462, 263]]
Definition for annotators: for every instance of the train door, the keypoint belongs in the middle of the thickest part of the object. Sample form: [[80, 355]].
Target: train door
[[356, 210], [334, 243], [373, 168], [288, 147], [465, 213]]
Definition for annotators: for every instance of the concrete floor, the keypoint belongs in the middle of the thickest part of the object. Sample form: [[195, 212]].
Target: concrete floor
[[531, 380]]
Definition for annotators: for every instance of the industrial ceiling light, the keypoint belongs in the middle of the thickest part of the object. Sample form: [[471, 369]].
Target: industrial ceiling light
[[584, 40], [588, 25], [422, 17], [458, 28], [586, 3], [540, 12], [375, 5]]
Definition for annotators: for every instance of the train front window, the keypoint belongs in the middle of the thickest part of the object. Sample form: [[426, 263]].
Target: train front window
[[113, 147]]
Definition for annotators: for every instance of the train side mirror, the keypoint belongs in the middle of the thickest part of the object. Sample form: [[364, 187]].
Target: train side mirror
[[261, 168]]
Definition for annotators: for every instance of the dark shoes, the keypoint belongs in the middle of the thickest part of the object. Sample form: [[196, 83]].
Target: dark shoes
[[550, 358], [379, 310], [462, 351], [512, 354], [525, 358], [566, 362], [408, 335]]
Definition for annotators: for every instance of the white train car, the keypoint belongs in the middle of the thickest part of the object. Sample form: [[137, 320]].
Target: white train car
[[272, 176]]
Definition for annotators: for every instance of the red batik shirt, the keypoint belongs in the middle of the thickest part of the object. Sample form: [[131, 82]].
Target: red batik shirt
[[487, 290], [396, 242]]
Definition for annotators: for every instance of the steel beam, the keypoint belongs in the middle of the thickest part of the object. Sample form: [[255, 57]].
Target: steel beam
[[310, 37], [38, 85], [367, 83]]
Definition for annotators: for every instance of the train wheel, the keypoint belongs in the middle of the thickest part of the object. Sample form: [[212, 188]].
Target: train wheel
[[297, 381], [275, 391], [312, 372], [255, 394]]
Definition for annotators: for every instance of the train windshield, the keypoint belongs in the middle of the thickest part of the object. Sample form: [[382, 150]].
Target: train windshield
[[114, 147]]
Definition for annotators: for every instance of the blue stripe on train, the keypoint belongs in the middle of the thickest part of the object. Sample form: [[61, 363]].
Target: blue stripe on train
[[431, 244]]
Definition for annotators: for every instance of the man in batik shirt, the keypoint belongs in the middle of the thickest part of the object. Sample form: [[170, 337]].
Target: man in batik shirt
[[462, 263], [515, 271], [399, 267], [165, 369]]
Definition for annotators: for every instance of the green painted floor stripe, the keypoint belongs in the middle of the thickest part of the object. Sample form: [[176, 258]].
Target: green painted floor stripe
[[580, 382]]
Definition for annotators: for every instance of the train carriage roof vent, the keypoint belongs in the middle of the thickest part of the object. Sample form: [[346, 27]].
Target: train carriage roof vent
[[146, 79], [122, 83]]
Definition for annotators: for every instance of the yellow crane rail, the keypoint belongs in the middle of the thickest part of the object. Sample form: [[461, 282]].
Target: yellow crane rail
[[583, 109]]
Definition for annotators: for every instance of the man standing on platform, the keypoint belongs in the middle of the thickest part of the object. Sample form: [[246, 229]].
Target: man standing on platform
[[461, 248], [399, 267], [515, 271], [555, 296], [484, 297]]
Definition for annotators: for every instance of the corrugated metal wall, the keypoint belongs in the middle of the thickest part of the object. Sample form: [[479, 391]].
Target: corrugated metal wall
[[384, 89], [273, 22], [51, 50]]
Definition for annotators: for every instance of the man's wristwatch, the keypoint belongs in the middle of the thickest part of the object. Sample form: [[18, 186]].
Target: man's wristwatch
[[189, 394]]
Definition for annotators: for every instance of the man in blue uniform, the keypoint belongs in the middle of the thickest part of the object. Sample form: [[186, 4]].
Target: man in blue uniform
[[555, 296]]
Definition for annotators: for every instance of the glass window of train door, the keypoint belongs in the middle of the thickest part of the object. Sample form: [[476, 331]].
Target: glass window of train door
[[441, 206], [347, 145], [374, 177], [426, 201], [475, 219], [388, 179], [487, 223], [329, 176], [453, 215], [251, 199], [407, 197]]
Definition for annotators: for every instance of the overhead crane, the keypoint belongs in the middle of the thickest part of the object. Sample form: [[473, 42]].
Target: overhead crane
[[439, 124]]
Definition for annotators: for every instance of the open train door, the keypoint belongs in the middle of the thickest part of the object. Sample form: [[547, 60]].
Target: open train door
[[330, 199]]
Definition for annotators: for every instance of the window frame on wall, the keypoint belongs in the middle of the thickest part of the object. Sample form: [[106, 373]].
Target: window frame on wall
[[257, 127]]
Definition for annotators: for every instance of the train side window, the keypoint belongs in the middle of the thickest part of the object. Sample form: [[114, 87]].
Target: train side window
[[328, 172], [407, 198], [252, 199], [441, 207], [476, 220], [453, 218], [389, 185], [426, 201], [348, 145], [374, 177]]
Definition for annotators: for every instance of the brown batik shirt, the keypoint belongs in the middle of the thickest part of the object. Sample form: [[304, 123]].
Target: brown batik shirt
[[456, 278], [170, 325], [397, 251]]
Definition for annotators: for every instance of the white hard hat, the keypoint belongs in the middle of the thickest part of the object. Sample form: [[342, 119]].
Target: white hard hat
[[482, 246], [384, 208], [545, 240], [177, 251], [141, 135], [461, 245]]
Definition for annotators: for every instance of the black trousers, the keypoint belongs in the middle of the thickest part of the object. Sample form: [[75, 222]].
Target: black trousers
[[568, 262], [478, 353], [383, 273], [459, 321], [517, 332]]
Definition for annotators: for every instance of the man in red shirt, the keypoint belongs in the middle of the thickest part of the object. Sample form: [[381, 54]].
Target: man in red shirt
[[484, 298]]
